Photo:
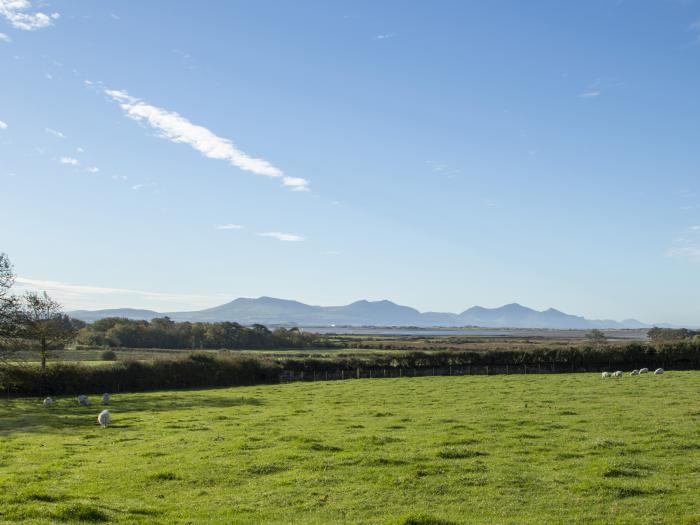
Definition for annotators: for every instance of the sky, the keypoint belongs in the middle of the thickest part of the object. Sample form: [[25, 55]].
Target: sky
[[177, 155]]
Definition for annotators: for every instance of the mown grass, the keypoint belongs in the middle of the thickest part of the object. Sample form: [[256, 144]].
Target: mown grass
[[439, 450]]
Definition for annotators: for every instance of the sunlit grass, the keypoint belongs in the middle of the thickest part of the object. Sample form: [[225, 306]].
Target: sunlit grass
[[473, 449]]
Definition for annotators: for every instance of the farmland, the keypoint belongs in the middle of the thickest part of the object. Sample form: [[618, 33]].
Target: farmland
[[566, 448]]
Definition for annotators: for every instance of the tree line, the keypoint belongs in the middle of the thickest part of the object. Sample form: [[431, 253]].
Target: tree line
[[165, 333]]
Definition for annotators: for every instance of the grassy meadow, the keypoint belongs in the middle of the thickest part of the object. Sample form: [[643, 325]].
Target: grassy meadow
[[519, 449]]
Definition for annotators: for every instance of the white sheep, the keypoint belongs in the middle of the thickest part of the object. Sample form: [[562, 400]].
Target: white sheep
[[105, 398], [48, 402], [105, 418], [83, 400], [658, 371], [617, 373], [606, 374], [634, 373], [643, 370]]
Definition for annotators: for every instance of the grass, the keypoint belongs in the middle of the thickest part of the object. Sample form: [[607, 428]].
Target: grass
[[437, 450]]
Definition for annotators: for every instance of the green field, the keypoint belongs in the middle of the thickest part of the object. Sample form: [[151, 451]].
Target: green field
[[439, 450]]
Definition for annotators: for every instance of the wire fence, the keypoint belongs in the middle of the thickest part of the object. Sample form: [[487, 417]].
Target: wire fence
[[288, 376]]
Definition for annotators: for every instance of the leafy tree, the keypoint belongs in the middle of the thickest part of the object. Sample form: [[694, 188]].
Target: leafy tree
[[44, 326], [8, 304]]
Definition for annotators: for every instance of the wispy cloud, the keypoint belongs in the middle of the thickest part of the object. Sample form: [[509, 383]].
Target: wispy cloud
[[592, 91], [287, 237], [86, 296], [69, 160], [229, 227], [178, 129], [5, 38], [686, 252], [3, 125], [687, 246], [92, 169], [137, 187], [384, 36], [55, 133], [17, 13]]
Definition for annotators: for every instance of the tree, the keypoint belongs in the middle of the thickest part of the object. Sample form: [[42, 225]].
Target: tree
[[43, 324], [8, 303], [597, 337]]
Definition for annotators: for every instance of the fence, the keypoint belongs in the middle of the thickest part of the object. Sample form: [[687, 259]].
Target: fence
[[288, 376]]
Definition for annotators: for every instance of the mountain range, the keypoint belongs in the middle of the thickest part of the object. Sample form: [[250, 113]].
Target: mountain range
[[272, 311]]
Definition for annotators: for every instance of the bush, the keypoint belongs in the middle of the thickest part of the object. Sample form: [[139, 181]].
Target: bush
[[109, 355], [195, 370]]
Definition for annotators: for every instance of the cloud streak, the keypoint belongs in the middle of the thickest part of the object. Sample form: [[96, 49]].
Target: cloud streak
[[3, 125], [229, 227], [69, 161], [16, 12], [174, 127], [78, 295], [55, 133], [286, 237], [5, 38]]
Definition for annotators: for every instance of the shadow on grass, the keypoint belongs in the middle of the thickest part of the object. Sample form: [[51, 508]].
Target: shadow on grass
[[28, 415]]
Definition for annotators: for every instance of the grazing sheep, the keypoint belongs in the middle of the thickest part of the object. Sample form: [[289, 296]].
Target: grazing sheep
[[617, 373], [48, 402], [83, 400], [606, 374], [105, 398], [658, 371], [634, 373], [105, 418], [643, 370]]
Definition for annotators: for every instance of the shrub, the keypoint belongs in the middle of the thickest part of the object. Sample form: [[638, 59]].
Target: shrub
[[109, 355], [189, 371]]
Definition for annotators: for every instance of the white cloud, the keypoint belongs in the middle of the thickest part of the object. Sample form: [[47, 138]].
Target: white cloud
[[93, 169], [384, 36], [120, 177], [178, 129], [3, 125], [686, 252], [288, 237], [79, 150], [5, 38], [15, 12], [296, 183], [55, 133], [86, 296], [69, 160], [592, 91], [137, 187], [229, 227]]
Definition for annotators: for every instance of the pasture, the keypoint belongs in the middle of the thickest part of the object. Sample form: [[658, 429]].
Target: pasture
[[435, 450]]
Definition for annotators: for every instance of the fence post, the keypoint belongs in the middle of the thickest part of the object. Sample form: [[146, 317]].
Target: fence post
[[450, 369], [314, 375], [487, 369], [326, 375], [358, 372], [399, 371], [384, 371], [342, 374]]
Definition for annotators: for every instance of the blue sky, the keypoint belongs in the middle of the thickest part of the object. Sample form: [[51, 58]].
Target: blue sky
[[438, 154]]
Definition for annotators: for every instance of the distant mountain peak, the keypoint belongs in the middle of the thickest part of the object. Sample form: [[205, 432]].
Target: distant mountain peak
[[275, 311]]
